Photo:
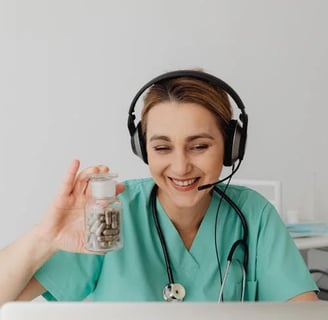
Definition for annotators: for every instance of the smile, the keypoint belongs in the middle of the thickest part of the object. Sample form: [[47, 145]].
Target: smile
[[184, 183]]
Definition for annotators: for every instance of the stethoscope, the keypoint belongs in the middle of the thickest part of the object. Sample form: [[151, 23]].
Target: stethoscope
[[175, 291]]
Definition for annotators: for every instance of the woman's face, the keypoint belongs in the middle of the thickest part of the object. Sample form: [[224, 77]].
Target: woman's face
[[185, 150]]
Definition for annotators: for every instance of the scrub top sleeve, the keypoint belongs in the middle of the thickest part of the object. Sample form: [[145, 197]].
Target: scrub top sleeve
[[281, 271], [69, 276]]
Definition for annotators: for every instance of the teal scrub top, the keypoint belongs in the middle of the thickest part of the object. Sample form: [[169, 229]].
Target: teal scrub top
[[276, 270]]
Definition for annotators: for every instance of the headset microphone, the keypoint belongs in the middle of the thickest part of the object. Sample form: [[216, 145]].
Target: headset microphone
[[209, 185]]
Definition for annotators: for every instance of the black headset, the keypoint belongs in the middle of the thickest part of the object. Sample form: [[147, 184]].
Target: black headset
[[236, 135]]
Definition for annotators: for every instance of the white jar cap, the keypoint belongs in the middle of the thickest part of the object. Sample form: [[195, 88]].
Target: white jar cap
[[103, 185]]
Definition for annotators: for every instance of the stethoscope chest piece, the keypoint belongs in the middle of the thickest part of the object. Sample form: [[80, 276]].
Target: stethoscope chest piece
[[174, 292]]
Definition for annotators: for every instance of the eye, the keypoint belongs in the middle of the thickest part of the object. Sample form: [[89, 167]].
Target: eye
[[161, 149], [200, 147]]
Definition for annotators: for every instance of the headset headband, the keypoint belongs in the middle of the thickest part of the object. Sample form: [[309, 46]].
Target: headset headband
[[216, 82], [238, 147]]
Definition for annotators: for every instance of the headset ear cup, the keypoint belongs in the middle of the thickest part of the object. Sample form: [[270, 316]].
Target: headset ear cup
[[232, 143], [138, 143]]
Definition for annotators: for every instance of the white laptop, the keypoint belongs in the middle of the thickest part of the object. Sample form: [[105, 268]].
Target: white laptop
[[163, 311]]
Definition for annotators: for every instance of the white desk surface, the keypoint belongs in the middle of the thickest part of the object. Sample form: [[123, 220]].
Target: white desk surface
[[312, 242]]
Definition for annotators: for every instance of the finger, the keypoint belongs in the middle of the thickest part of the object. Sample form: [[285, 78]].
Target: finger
[[120, 187], [91, 170], [102, 168], [68, 183], [82, 180]]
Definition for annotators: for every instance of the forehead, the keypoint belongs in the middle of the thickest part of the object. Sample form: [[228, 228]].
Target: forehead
[[173, 118]]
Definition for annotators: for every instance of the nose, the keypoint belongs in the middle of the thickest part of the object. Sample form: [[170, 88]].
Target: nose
[[181, 164]]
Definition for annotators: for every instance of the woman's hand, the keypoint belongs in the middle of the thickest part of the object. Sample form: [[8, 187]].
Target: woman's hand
[[63, 224]]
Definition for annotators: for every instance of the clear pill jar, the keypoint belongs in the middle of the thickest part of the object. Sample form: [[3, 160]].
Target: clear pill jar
[[103, 213]]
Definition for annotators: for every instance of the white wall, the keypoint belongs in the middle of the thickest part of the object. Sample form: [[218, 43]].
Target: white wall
[[69, 69]]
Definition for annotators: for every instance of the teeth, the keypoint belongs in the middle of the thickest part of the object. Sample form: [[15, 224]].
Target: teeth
[[184, 183]]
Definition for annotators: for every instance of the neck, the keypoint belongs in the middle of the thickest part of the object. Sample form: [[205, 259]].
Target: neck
[[187, 230], [186, 219]]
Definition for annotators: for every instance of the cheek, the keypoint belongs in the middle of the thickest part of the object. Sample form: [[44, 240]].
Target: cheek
[[213, 163], [155, 163], [212, 166]]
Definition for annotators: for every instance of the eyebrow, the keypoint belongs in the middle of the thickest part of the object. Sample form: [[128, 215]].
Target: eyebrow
[[189, 138]]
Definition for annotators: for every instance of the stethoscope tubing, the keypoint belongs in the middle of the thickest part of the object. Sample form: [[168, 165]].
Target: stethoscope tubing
[[160, 235], [241, 216], [236, 244]]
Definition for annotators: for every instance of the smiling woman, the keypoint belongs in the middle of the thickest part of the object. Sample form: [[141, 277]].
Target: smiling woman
[[189, 155], [182, 241]]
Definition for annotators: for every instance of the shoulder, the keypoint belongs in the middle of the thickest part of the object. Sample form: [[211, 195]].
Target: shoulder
[[136, 210], [253, 204], [244, 195], [136, 189]]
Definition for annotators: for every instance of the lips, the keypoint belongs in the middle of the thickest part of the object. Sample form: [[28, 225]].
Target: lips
[[184, 183]]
